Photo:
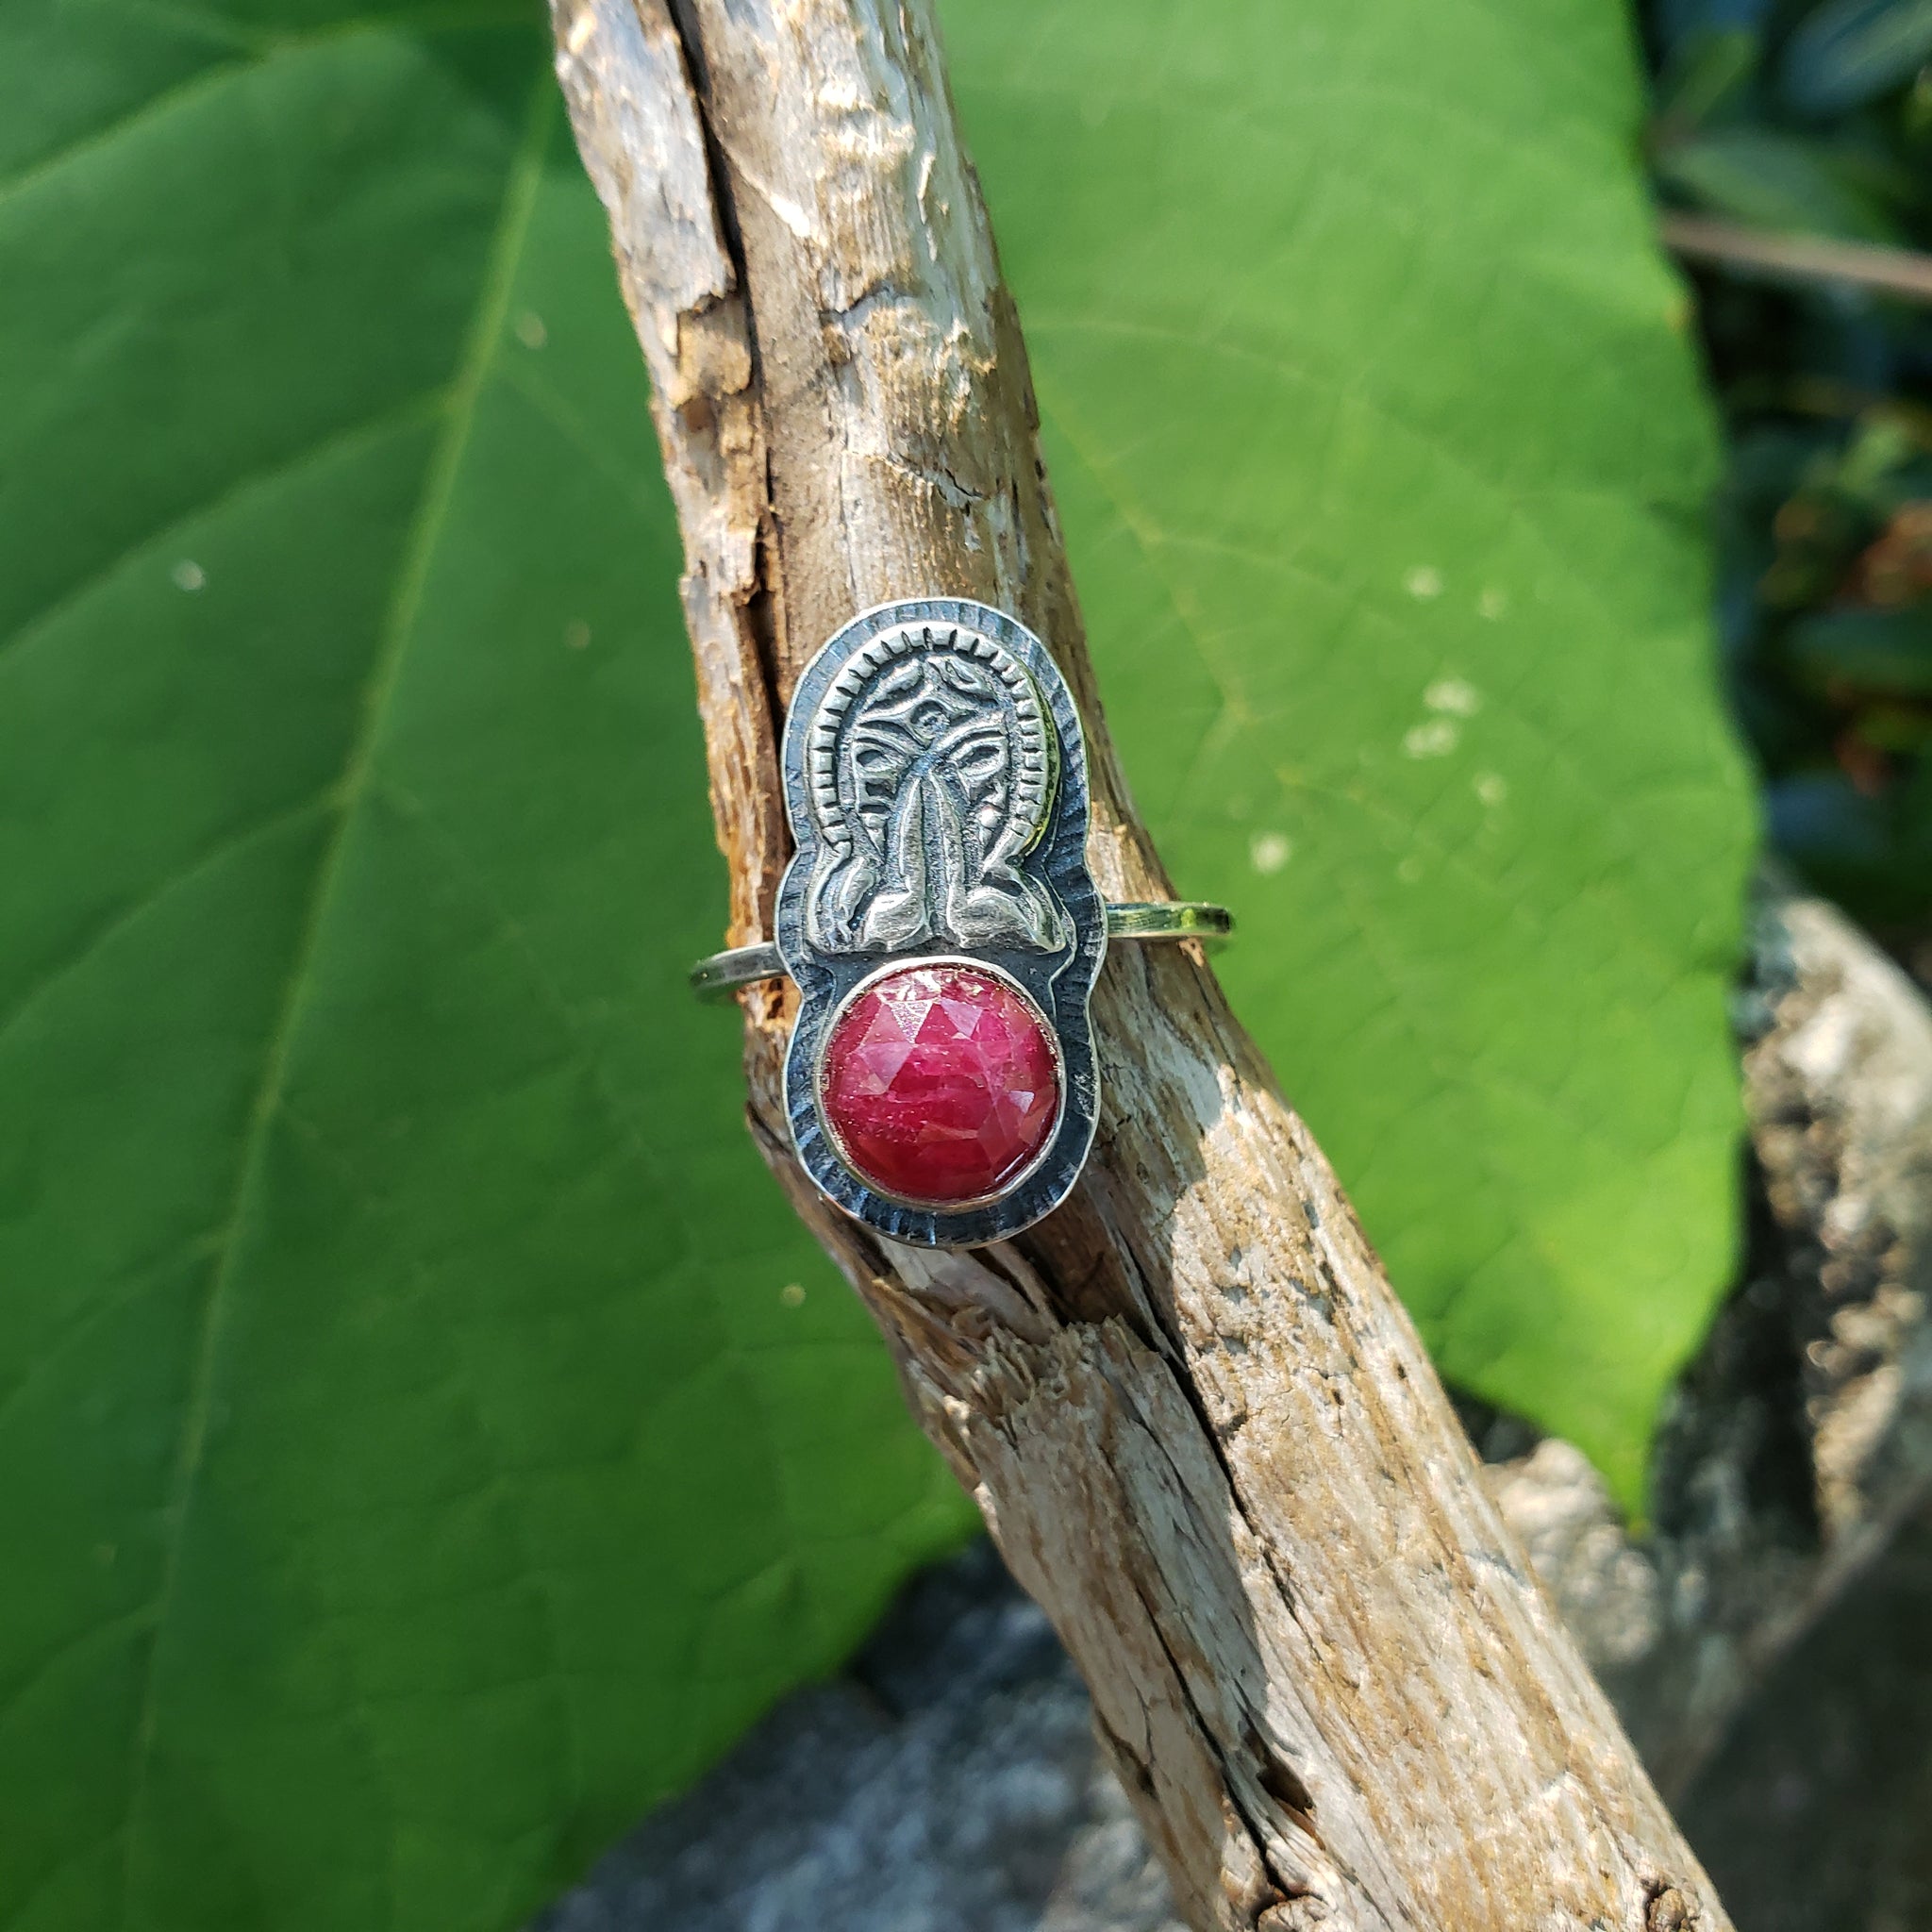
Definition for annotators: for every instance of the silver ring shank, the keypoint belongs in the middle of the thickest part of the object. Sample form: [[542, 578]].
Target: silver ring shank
[[1161, 919]]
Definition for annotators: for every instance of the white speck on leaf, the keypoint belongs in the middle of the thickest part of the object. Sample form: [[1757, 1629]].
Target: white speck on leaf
[[1435, 740], [1454, 694], [1492, 787], [576, 633], [1270, 851], [791, 1295], [1492, 604], [1424, 580], [1411, 870], [530, 330], [187, 574]]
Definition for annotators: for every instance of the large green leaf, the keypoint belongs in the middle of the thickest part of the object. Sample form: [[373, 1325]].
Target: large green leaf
[[415, 1452], [1370, 412]]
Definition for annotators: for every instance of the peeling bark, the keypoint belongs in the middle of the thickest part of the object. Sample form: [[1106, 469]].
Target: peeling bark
[[1195, 1417]]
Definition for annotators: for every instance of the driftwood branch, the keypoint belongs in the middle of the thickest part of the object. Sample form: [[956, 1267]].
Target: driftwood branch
[[1198, 1421]]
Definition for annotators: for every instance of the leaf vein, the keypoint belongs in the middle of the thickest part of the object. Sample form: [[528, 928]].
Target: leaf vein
[[131, 914], [518, 200], [332, 443], [253, 54]]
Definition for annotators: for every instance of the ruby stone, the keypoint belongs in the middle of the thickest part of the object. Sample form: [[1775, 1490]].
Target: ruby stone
[[940, 1084]]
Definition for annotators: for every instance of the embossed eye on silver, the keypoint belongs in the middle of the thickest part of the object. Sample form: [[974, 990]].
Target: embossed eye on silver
[[942, 925]]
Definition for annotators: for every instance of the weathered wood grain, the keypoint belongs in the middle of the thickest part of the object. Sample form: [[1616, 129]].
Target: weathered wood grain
[[1197, 1420]]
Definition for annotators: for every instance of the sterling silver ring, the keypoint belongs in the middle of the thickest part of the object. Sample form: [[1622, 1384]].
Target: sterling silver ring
[[942, 925], [721, 974]]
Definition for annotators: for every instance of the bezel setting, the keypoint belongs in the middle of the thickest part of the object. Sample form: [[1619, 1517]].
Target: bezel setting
[[936, 778], [961, 961]]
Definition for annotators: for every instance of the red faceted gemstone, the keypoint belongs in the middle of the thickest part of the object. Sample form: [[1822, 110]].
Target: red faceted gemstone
[[941, 1084]]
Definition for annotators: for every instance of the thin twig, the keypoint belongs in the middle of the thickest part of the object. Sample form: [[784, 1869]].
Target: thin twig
[[1799, 258]]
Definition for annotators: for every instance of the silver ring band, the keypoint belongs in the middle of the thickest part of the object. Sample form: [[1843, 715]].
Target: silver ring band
[[1138, 919]]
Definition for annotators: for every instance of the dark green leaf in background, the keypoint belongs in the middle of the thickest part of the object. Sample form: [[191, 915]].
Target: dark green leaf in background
[[1850, 50], [1883, 651], [1774, 180], [415, 1452]]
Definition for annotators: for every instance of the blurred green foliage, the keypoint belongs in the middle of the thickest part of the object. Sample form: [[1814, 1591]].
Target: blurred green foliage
[[1818, 119]]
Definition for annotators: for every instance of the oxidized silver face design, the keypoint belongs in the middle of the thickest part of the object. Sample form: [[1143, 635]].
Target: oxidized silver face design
[[936, 780], [933, 770]]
